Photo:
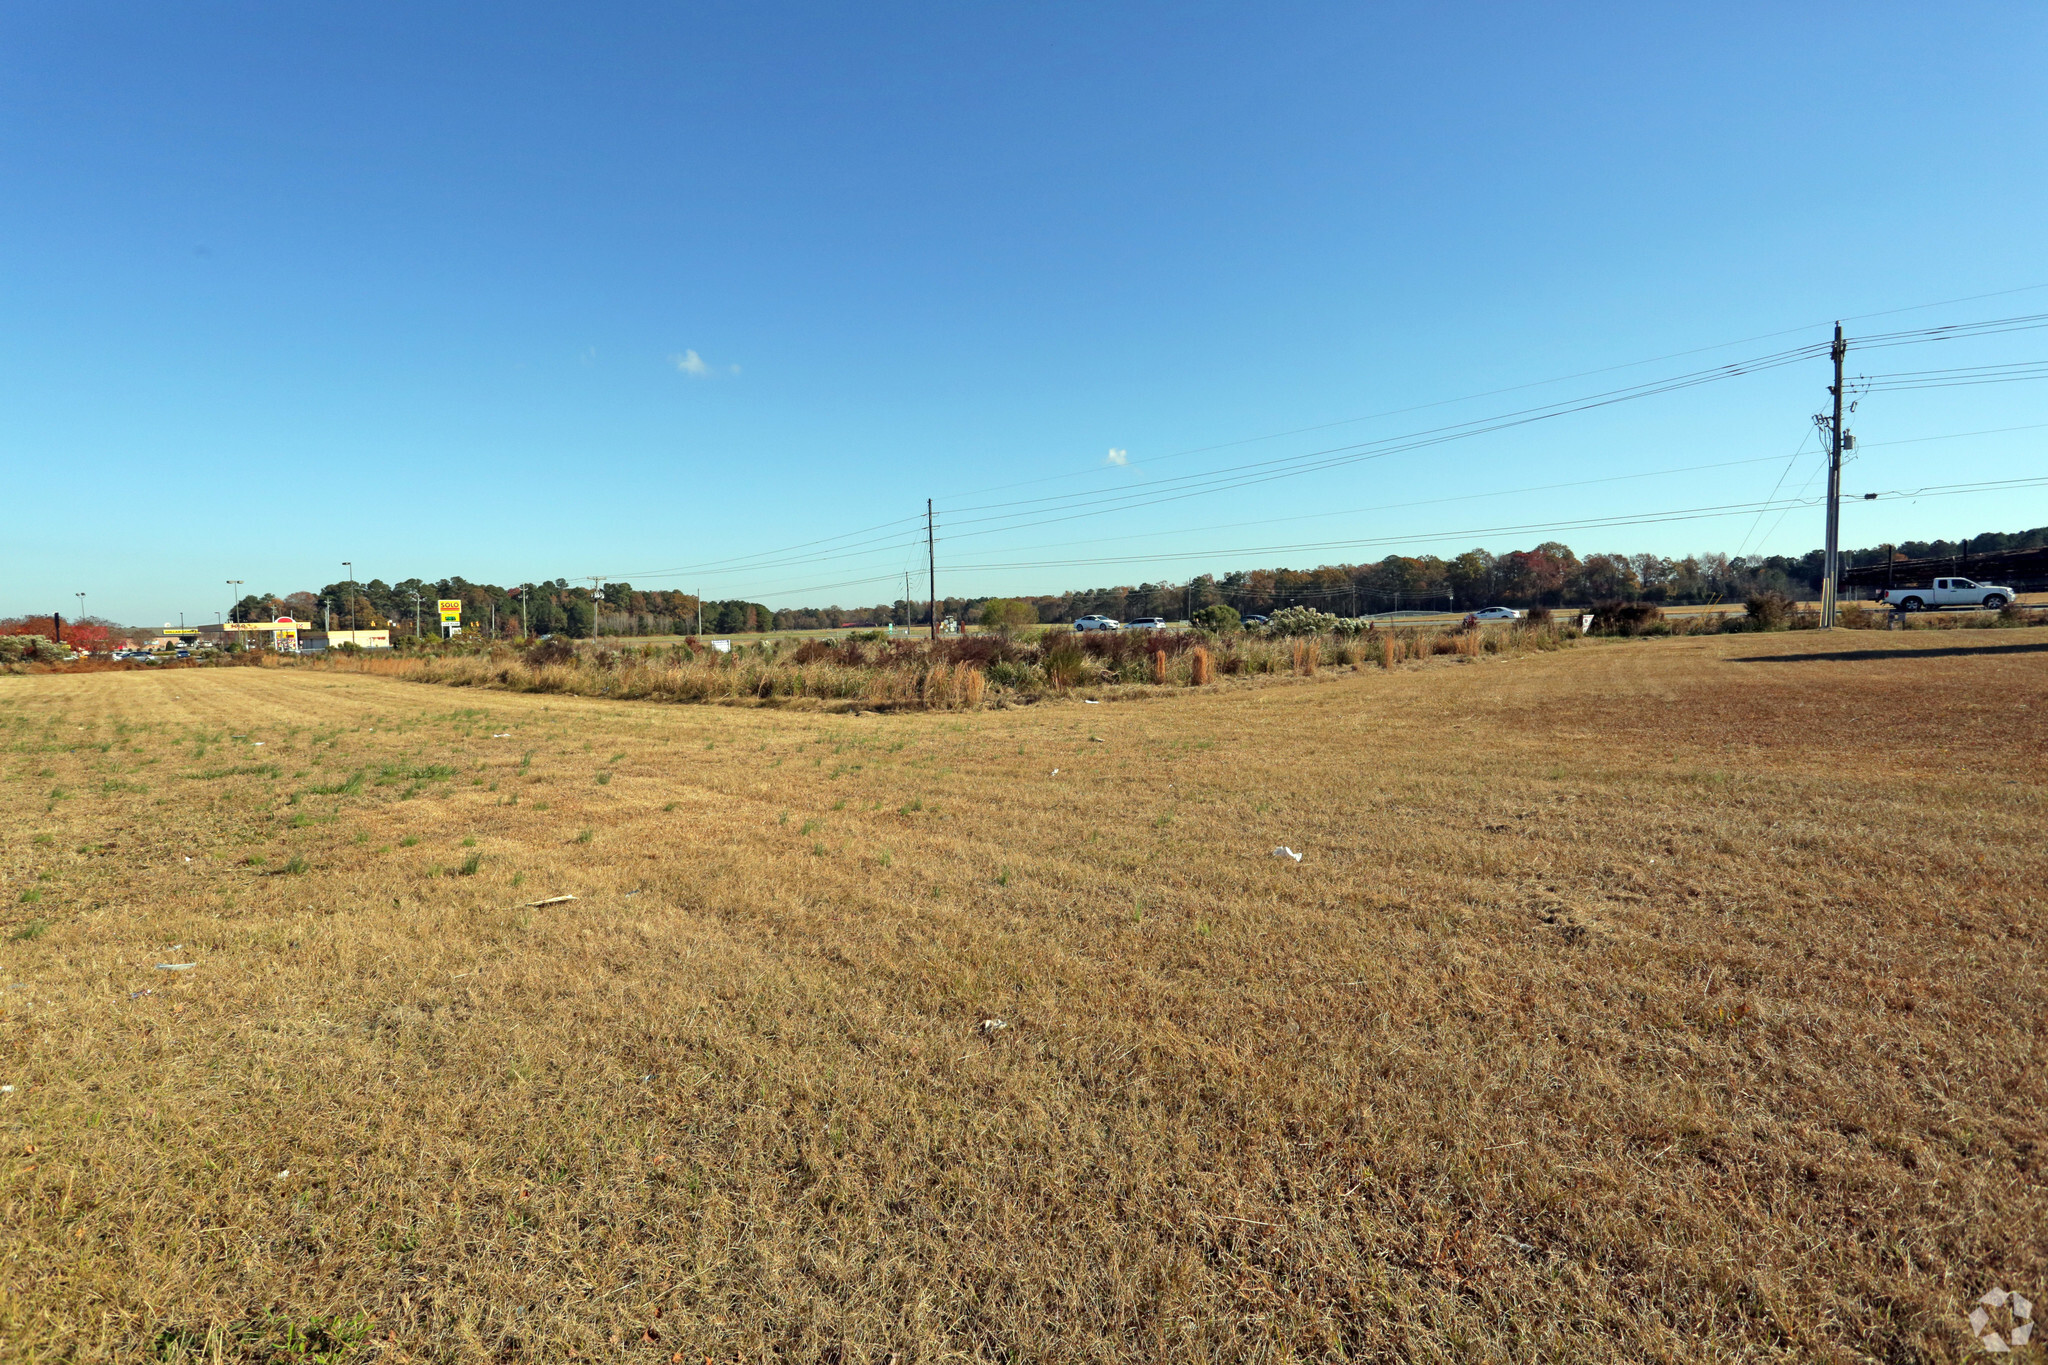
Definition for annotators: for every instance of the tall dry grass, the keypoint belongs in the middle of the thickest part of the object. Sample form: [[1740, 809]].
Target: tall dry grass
[[907, 674]]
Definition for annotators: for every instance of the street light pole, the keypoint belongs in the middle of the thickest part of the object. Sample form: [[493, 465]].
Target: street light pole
[[232, 583], [346, 564]]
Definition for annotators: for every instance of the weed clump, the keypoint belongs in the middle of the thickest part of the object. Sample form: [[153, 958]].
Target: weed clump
[[1628, 619]]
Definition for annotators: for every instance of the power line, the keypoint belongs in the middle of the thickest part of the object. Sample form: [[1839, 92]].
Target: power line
[[1588, 523], [1374, 449], [1901, 380], [1048, 510], [1770, 504], [1540, 383], [1784, 474]]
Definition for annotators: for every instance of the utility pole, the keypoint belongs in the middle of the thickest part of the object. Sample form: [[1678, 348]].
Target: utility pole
[[1832, 566], [415, 614], [932, 563], [352, 624]]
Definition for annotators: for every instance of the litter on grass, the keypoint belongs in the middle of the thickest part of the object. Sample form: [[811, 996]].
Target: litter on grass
[[506, 735], [6, 1090], [551, 900], [1286, 853], [176, 966], [993, 1026]]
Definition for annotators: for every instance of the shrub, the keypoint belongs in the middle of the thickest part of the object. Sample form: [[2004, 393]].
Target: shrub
[[1200, 672], [40, 649], [1625, 618], [1308, 652], [1219, 618], [1017, 676], [2012, 614], [1064, 662], [1769, 610], [1536, 616], [553, 650], [1159, 667], [1006, 614], [1301, 621]]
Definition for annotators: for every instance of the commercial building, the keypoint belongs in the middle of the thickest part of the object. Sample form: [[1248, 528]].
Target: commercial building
[[335, 639]]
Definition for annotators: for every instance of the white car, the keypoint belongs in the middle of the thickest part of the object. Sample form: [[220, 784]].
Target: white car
[[1097, 623], [1495, 614], [1147, 623]]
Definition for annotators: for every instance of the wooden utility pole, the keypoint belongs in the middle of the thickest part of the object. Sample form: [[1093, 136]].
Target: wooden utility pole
[[1831, 568], [932, 564]]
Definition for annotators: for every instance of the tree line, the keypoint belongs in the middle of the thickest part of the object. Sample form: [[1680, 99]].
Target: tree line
[[1550, 574]]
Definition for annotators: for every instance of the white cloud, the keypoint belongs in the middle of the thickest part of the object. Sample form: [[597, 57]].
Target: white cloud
[[1118, 458], [691, 364]]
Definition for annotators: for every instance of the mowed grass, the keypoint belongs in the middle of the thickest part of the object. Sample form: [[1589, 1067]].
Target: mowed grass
[[1676, 1000]]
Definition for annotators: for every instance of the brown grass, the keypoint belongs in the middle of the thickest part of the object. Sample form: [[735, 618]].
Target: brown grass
[[1674, 1000]]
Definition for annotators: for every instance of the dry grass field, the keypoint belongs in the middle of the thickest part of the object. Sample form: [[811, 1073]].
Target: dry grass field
[[1677, 1000]]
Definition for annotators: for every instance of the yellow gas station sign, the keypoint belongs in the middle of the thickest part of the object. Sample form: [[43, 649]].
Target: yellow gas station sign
[[451, 612]]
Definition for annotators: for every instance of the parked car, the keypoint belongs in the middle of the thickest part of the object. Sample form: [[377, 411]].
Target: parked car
[[1493, 614], [1254, 620], [1097, 623], [1146, 623], [1947, 592]]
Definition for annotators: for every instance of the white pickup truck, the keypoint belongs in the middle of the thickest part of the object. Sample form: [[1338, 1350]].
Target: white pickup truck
[[1947, 592]]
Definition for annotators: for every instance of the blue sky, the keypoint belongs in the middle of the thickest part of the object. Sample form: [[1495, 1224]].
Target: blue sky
[[533, 291]]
